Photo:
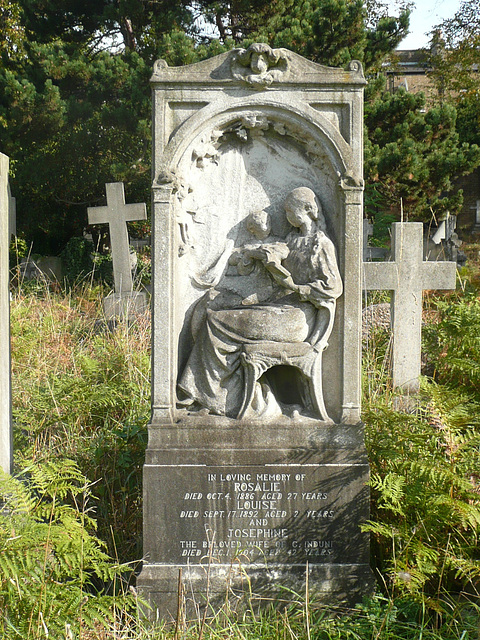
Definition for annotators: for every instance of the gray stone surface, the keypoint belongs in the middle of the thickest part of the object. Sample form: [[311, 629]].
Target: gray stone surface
[[237, 339], [116, 214], [5, 385], [245, 506], [408, 275], [225, 148], [124, 306], [257, 252]]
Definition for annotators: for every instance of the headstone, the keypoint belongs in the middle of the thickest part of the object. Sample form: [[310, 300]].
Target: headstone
[[256, 471], [5, 385], [407, 276], [46, 268], [443, 243], [125, 301]]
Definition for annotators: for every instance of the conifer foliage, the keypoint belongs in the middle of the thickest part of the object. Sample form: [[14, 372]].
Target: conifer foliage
[[74, 94], [413, 154]]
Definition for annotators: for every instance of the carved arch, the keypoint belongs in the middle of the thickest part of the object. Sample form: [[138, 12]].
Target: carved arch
[[305, 120]]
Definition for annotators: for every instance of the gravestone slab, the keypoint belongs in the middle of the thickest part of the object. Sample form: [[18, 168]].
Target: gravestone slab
[[256, 472], [407, 276], [124, 302], [5, 384], [46, 268], [443, 243], [260, 506]]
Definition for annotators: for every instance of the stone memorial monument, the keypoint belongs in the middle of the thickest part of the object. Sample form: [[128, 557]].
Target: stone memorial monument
[[443, 243], [124, 301], [256, 469], [5, 385], [407, 276]]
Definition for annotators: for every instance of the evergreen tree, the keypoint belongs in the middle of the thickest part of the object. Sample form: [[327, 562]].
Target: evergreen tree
[[413, 155], [455, 61], [331, 32], [75, 97], [455, 47], [74, 115]]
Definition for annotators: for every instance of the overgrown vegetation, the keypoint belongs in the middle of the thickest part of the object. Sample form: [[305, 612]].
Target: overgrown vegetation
[[81, 391], [425, 462], [54, 571], [81, 405]]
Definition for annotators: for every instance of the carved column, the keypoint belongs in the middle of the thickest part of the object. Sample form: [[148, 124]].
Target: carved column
[[163, 306], [352, 319]]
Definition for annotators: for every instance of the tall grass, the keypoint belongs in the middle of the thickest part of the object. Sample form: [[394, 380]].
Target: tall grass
[[81, 390], [81, 393]]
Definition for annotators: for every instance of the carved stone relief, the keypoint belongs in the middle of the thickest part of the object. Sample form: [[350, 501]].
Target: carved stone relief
[[258, 270], [260, 65]]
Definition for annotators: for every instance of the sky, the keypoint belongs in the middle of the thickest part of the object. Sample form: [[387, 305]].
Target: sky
[[426, 14]]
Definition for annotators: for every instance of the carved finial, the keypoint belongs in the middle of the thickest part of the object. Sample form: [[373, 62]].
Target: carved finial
[[259, 65], [159, 65], [355, 66]]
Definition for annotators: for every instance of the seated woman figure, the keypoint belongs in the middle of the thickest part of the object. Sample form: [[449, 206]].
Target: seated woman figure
[[305, 275]]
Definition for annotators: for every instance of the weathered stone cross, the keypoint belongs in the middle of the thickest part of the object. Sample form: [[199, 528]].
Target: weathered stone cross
[[407, 277], [476, 207], [116, 214]]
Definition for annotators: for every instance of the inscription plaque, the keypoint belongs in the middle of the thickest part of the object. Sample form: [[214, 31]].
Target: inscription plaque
[[292, 513]]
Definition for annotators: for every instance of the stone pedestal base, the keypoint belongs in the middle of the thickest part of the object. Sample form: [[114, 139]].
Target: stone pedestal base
[[253, 586], [124, 305], [236, 508]]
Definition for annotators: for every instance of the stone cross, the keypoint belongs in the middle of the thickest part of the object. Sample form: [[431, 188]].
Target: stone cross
[[116, 214], [477, 214], [5, 388], [407, 276]]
